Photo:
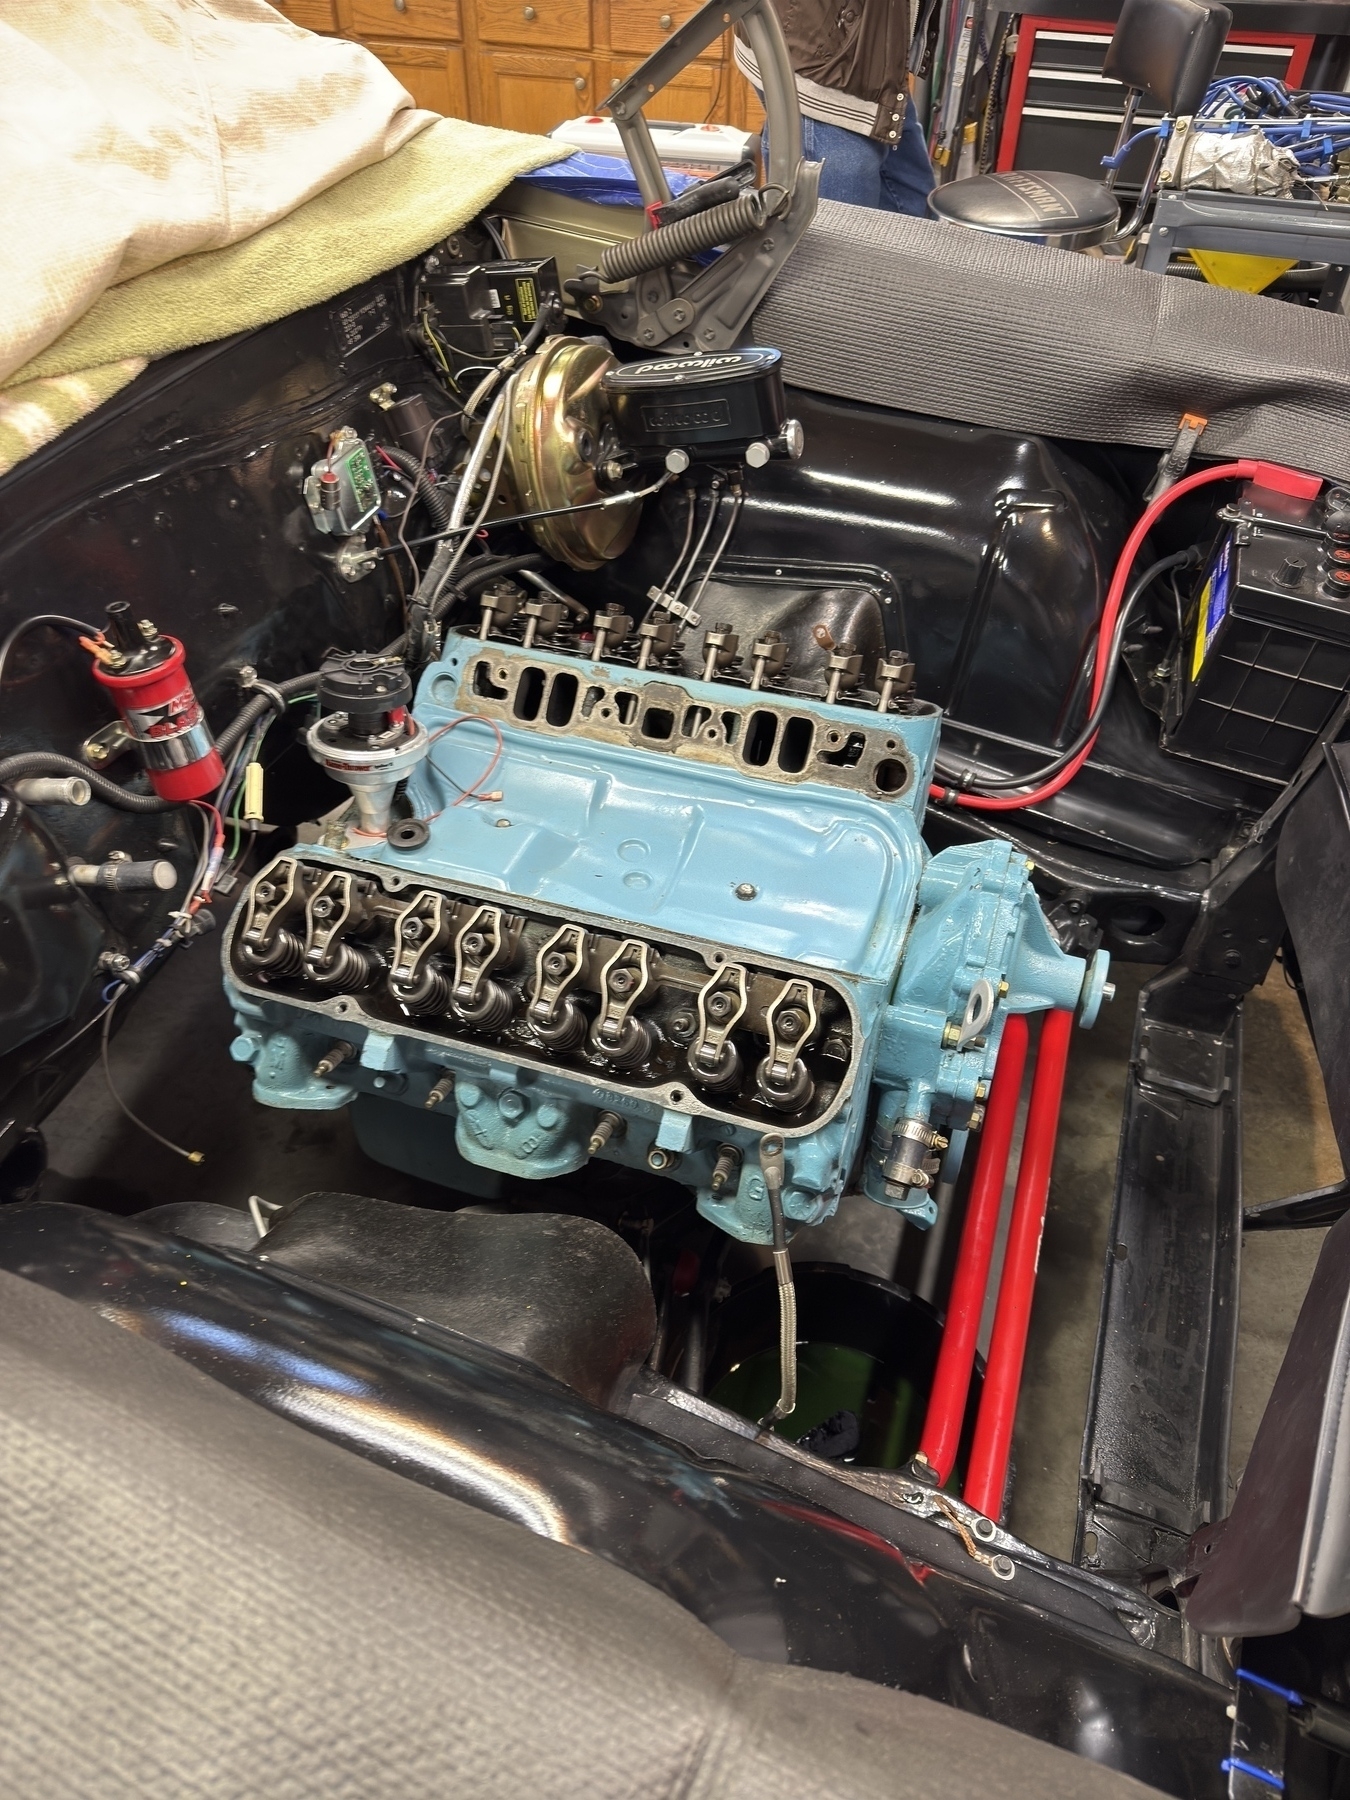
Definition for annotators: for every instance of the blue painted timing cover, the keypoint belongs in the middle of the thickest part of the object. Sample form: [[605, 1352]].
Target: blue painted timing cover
[[634, 814]]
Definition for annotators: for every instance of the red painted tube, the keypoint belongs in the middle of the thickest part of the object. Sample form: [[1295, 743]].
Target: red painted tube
[[956, 1358], [988, 1474]]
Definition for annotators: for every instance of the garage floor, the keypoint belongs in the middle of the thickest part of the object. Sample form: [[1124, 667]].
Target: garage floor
[[172, 1065]]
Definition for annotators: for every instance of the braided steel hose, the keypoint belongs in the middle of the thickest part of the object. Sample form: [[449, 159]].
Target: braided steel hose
[[686, 237]]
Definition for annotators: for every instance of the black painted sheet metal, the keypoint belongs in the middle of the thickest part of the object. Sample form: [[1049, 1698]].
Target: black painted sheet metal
[[776, 1574], [1155, 1448]]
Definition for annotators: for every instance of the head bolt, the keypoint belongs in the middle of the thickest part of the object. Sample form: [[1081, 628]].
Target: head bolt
[[746, 890]]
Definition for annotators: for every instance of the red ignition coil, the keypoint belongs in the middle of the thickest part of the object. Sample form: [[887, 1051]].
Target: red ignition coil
[[145, 673]]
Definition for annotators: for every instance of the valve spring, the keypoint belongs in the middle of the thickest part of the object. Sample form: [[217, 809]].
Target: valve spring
[[491, 1010], [790, 1098], [640, 1038], [282, 957], [565, 1030], [726, 1075], [429, 994], [350, 966]]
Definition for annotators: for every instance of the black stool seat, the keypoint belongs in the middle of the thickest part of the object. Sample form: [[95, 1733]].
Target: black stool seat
[[1065, 212]]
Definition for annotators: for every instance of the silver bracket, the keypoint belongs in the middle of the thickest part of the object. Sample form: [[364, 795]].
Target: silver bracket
[[106, 745], [979, 1012], [680, 608]]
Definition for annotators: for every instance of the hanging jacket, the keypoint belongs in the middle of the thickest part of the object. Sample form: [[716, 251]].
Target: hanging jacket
[[849, 58]]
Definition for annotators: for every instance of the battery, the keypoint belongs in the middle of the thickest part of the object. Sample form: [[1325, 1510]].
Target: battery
[[482, 310], [1265, 658]]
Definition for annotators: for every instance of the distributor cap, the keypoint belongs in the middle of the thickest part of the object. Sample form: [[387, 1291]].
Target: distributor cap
[[364, 687]]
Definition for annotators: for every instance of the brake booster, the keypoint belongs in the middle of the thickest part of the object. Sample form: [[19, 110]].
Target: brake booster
[[697, 914]]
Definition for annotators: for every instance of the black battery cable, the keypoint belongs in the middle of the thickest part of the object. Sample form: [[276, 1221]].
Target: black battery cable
[[968, 780]]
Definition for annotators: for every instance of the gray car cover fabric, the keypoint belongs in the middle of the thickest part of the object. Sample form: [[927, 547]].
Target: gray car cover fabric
[[965, 325], [198, 1598]]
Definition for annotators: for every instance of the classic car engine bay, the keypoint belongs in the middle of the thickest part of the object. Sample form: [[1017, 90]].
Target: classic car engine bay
[[658, 801]]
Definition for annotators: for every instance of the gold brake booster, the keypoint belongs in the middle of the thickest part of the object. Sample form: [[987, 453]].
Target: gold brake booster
[[558, 439]]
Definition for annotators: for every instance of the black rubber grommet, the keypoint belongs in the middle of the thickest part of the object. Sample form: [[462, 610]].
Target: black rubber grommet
[[408, 834]]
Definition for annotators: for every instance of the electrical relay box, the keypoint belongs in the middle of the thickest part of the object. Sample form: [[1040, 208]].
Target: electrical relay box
[[480, 311], [1265, 658]]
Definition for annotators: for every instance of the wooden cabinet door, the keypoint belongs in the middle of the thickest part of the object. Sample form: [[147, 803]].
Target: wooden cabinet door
[[432, 73], [745, 109], [643, 25], [424, 20], [533, 92], [314, 15], [697, 95], [549, 24]]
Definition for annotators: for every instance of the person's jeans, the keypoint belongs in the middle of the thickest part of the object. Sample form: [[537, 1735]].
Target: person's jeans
[[893, 177]]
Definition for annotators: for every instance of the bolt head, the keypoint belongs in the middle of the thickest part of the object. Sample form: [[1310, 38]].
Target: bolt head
[[746, 890]]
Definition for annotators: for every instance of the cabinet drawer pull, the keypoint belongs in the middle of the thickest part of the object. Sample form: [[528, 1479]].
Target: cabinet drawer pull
[[400, 6], [530, 15], [580, 83], [665, 21]]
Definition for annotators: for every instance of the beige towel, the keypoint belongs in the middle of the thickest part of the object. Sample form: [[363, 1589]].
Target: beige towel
[[179, 170]]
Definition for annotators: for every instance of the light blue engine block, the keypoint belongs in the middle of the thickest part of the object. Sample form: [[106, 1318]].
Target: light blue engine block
[[676, 916]]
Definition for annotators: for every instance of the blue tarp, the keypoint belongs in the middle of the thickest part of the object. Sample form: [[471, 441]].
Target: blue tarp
[[608, 180]]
